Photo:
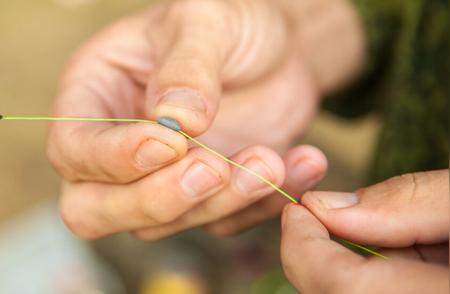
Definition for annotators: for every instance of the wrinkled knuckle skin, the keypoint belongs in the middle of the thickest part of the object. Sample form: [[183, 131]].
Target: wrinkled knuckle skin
[[55, 158], [402, 187], [398, 186]]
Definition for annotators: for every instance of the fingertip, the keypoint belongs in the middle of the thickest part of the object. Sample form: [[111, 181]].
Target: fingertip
[[294, 214], [217, 164], [285, 215], [306, 151], [156, 144], [306, 159], [290, 207], [307, 199], [306, 166], [262, 161], [271, 159], [176, 141], [118, 153], [328, 201], [191, 109], [314, 204]]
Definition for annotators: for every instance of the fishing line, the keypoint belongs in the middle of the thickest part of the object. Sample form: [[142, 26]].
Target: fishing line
[[364, 248], [173, 125], [238, 165], [49, 118], [167, 122]]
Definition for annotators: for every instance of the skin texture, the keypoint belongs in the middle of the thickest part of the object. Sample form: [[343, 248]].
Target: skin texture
[[214, 66], [406, 215]]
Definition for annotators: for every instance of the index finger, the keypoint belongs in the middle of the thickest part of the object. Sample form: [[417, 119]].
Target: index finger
[[313, 262], [316, 264], [101, 81], [398, 212]]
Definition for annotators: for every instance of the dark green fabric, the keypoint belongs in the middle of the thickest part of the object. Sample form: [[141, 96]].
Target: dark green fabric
[[407, 82]]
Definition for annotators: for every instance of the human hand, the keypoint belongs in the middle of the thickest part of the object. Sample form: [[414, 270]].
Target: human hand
[[182, 59], [408, 216]]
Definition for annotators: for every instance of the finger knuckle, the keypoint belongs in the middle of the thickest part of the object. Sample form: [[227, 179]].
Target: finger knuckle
[[116, 163], [54, 157], [403, 187], [53, 153], [59, 160]]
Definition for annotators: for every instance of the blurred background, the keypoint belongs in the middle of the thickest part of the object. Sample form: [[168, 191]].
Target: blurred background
[[37, 254]]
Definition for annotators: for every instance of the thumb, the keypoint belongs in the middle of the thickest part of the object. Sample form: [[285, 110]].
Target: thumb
[[399, 212], [204, 44], [186, 82]]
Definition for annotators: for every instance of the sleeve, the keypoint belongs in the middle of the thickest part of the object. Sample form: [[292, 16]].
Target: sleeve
[[382, 23], [406, 82], [415, 133]]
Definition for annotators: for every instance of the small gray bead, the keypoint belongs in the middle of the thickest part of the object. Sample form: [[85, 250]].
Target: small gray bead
[[169, 123]]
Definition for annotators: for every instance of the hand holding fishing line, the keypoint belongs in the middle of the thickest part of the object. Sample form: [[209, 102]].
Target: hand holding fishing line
[[174, 125], [185, 115], [183, 59], [180, 61], [407, 215]]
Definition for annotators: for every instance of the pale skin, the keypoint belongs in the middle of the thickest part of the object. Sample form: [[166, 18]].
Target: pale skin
[[242, 74], [236, 73], [408, 216]]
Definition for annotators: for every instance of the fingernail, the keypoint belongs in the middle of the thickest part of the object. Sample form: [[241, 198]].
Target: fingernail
[[249, 184], [331, 200], [183, 98], [154, 153], [304, 174], [200, 180]]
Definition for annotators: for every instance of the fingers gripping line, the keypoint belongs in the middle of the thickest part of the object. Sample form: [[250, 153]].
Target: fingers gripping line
[[175, 126], [164, 121]]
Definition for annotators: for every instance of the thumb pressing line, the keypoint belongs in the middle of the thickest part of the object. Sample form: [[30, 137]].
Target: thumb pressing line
[[175, 126]]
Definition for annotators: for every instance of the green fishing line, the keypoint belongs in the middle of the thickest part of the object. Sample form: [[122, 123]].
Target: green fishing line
[[172, 124], [240, 166], [366, 249], [49, 118]]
